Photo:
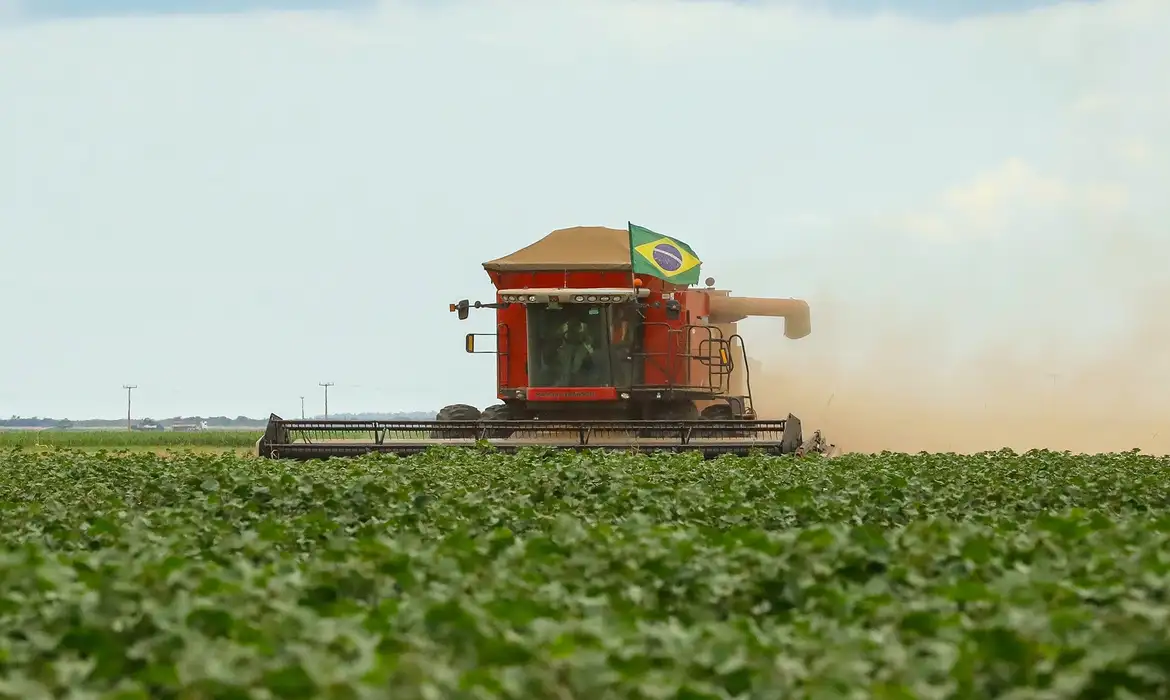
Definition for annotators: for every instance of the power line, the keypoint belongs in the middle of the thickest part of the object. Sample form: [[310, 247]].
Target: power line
[[129, 388], [326, 385]]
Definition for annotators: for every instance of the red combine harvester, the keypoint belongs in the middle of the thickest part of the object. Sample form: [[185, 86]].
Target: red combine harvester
[[601, 342]]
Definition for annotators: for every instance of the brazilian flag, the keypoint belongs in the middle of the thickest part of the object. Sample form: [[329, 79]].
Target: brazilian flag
[[663, 257]]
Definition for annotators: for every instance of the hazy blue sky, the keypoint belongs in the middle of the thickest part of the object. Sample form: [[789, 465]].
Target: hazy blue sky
[[226, 208], [934, 9]]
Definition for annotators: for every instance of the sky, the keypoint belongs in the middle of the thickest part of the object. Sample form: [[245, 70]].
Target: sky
[[227, 206], [66, 9]]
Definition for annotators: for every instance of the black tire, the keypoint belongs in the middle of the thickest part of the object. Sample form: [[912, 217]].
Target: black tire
[[716, 412], [500, 412], [672, 411], [458, 411], [676, 410]]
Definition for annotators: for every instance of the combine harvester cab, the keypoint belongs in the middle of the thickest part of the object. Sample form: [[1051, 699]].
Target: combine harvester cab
[[602, 341]]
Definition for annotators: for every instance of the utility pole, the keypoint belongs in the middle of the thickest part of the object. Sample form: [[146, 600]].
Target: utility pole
[[128, 389], [326, 385], [302, 408]]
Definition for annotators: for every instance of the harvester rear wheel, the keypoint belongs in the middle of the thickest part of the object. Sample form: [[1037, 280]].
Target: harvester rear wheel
[[458, 411]]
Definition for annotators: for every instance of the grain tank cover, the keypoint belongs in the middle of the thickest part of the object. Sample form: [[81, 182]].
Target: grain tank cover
[[577, 248]]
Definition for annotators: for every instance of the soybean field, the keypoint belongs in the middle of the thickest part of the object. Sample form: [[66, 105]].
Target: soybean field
[[463, 573]]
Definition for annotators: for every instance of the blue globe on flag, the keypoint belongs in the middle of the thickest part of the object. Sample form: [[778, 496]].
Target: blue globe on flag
[[668, 257], [663, 257]]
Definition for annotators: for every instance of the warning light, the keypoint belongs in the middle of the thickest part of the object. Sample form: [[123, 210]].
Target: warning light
[[637, 282]]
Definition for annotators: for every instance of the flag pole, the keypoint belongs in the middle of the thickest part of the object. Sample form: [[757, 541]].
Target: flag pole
[[630, 232]]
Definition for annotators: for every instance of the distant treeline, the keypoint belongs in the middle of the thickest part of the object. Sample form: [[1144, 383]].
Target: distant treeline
[[239, 422]]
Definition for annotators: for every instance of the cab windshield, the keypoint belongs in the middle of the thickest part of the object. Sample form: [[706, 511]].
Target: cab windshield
[[580, 345]]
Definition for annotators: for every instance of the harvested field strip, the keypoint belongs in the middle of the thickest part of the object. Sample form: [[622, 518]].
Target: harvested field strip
[[128, 438]]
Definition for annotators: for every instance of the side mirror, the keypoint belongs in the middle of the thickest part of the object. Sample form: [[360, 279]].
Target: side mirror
[[469, 342], [463, 309], [673, 309]]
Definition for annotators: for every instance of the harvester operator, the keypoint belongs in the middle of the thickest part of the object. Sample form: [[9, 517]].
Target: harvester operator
[[575, 351]]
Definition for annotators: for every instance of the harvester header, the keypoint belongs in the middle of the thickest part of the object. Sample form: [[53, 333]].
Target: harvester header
[[601, 340]]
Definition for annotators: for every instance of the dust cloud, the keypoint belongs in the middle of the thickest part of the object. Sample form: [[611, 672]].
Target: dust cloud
[[901, 387]]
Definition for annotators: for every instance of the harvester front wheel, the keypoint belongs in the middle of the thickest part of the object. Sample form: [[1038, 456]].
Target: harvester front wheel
[[671, 411], [454, 412], [714, 412], [717, 411], [674, 410], [501, 411]]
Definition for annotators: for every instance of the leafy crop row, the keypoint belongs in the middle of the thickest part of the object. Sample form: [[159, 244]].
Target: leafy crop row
[[126, 438], [460, 574]]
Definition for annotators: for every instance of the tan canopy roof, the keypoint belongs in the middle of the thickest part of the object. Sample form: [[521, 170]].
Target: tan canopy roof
[[577, 248]]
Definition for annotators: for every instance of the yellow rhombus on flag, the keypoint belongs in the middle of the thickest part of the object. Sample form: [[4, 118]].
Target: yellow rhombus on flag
[[663, 257]]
